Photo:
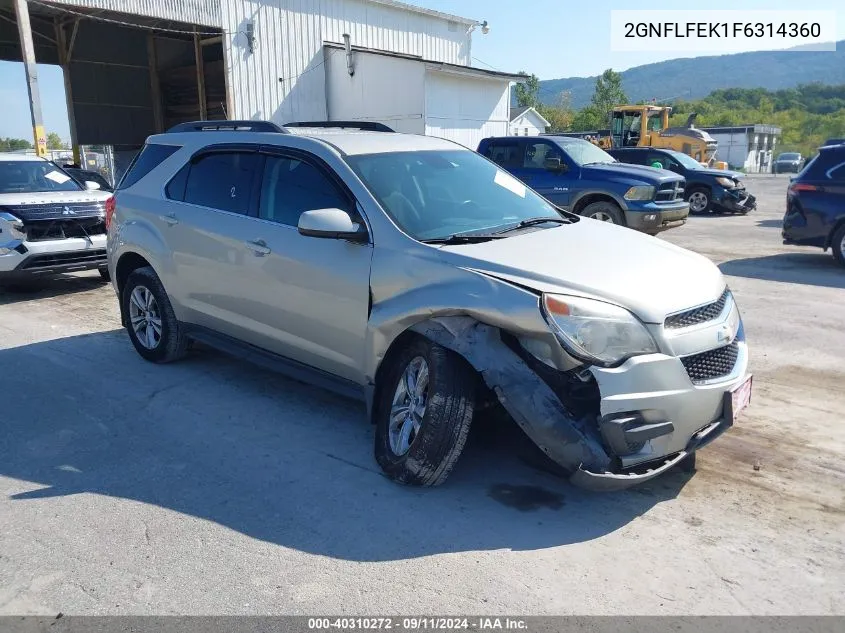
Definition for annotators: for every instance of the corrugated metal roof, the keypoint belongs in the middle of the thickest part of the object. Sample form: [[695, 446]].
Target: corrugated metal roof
[[202, 12]]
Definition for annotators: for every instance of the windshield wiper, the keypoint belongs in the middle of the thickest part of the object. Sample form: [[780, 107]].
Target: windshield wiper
[[533, 222], [460, 238]]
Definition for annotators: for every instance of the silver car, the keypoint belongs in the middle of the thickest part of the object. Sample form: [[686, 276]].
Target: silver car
[[49, 223], [418, 276]]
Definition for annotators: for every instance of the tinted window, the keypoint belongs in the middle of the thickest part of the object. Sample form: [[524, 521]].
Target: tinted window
[[290, 186], [222, 180], [635, 158], [175, 189], [537, 152], [32, 176], [150, 157], [506, 154]]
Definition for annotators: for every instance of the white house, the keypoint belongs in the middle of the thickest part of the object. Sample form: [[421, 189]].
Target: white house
[[526, 121]]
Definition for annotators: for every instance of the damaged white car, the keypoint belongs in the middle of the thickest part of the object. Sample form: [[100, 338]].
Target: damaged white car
[[419, 276]]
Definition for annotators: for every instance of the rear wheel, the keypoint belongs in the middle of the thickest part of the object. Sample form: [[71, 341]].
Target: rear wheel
[[153, 328], [424, 414], [837, 244], [699, 200], [604, 211]]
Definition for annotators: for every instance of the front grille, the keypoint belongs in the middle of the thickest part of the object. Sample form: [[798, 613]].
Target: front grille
[[712, 364], [702, 314], [670, 191], [42, 230], [76, 259], [56, 211]]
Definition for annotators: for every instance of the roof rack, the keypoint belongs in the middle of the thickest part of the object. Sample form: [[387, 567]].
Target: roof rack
[[231, 126], [364, 126]]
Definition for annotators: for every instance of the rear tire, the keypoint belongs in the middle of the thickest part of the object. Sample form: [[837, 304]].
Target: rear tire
[[604, 211], [151, 323], [837, 245], [427, 452], [700, 200]]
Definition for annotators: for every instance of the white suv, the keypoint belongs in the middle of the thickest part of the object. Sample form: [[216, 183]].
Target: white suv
[[49, 223], [419, 276]]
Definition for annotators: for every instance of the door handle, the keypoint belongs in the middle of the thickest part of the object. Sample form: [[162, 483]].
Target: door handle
[[259, 247], [169, 219]]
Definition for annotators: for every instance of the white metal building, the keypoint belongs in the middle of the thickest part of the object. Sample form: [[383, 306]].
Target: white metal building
[[139, 66], [747, 147], [526, 121]]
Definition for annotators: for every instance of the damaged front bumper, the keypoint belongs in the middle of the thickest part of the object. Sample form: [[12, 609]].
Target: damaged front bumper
[[736, 201], [649, 405]]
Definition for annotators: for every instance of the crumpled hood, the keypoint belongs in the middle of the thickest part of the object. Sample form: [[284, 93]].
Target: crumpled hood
[[645, 274], [719, 173]]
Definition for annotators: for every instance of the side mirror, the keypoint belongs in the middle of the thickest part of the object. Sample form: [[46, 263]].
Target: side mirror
[[90, 185], [333, 224], [554, 164]]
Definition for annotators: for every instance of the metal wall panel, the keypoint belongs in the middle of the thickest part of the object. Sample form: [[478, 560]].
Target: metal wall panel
[[283, 78], [202, 12]]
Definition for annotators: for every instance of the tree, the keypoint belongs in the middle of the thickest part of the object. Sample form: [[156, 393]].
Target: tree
[[54, 141], [589, 119], [608, 93], [559, 116], [13, 144], [528, 93]]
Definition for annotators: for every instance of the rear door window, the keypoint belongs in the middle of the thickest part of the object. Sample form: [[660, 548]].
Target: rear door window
[[222, 180], [506, 153], [150, 157]]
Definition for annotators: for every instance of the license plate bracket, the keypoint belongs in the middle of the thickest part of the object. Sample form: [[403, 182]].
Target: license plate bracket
[[738, 399]]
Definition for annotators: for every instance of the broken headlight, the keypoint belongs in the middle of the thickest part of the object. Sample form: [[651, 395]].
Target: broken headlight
[[596, 332]]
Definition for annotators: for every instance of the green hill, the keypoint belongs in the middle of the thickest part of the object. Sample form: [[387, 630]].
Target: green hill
[[695, 78]]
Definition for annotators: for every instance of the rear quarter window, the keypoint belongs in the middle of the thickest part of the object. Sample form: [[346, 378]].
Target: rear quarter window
[[150, 157]]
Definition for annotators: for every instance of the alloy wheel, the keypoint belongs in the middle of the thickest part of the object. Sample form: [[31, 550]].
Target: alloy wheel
[[698, 202], [145, 318], [408, 408]]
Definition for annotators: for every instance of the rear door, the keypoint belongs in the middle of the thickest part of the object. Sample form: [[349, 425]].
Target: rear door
[[208, 229]]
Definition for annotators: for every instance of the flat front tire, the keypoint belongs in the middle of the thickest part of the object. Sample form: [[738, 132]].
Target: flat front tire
[[424, 413], [151, 323]]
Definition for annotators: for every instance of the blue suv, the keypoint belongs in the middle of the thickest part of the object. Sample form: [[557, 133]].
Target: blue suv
[[578, 176]]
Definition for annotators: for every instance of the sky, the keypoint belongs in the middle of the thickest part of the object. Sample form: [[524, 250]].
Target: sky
[[550, 38]]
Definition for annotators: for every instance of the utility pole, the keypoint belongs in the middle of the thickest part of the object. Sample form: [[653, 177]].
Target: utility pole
[[28, 55]]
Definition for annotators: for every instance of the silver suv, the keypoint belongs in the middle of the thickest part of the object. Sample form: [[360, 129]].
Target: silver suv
[[49, 222], [419, 276]]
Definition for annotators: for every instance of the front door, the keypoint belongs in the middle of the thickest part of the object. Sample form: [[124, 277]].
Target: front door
[[553, 184], [308, 298]]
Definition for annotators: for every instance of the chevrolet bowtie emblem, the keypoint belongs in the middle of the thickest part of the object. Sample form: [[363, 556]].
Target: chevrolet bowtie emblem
[[725, 334]]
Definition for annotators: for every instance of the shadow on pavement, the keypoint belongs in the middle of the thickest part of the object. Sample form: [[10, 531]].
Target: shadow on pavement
[[48, 287], [273, 459], [815, 269], [771, 224]]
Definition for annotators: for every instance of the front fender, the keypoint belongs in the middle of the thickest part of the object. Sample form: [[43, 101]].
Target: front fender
[[619, 200]]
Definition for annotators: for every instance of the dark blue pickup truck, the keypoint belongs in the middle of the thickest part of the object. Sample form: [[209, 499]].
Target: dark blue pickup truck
[[578, 176]]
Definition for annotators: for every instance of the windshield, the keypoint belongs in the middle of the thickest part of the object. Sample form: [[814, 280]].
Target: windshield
[[33, 176], [687, 161], [585, 153], [436, 194], [789, 156]]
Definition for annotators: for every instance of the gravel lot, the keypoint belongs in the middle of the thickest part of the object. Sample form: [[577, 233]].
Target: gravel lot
[[214, 487]]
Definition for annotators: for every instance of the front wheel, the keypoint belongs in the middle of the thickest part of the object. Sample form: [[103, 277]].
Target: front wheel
[[604, 211], [699, 200], [153, 328], [424, 414]]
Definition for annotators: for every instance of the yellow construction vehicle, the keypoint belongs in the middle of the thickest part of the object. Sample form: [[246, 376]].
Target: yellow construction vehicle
[[648, 126]]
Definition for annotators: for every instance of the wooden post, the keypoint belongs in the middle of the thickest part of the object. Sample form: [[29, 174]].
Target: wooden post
[[200, 76], [28, 55], [155, 86], [65, 54]]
